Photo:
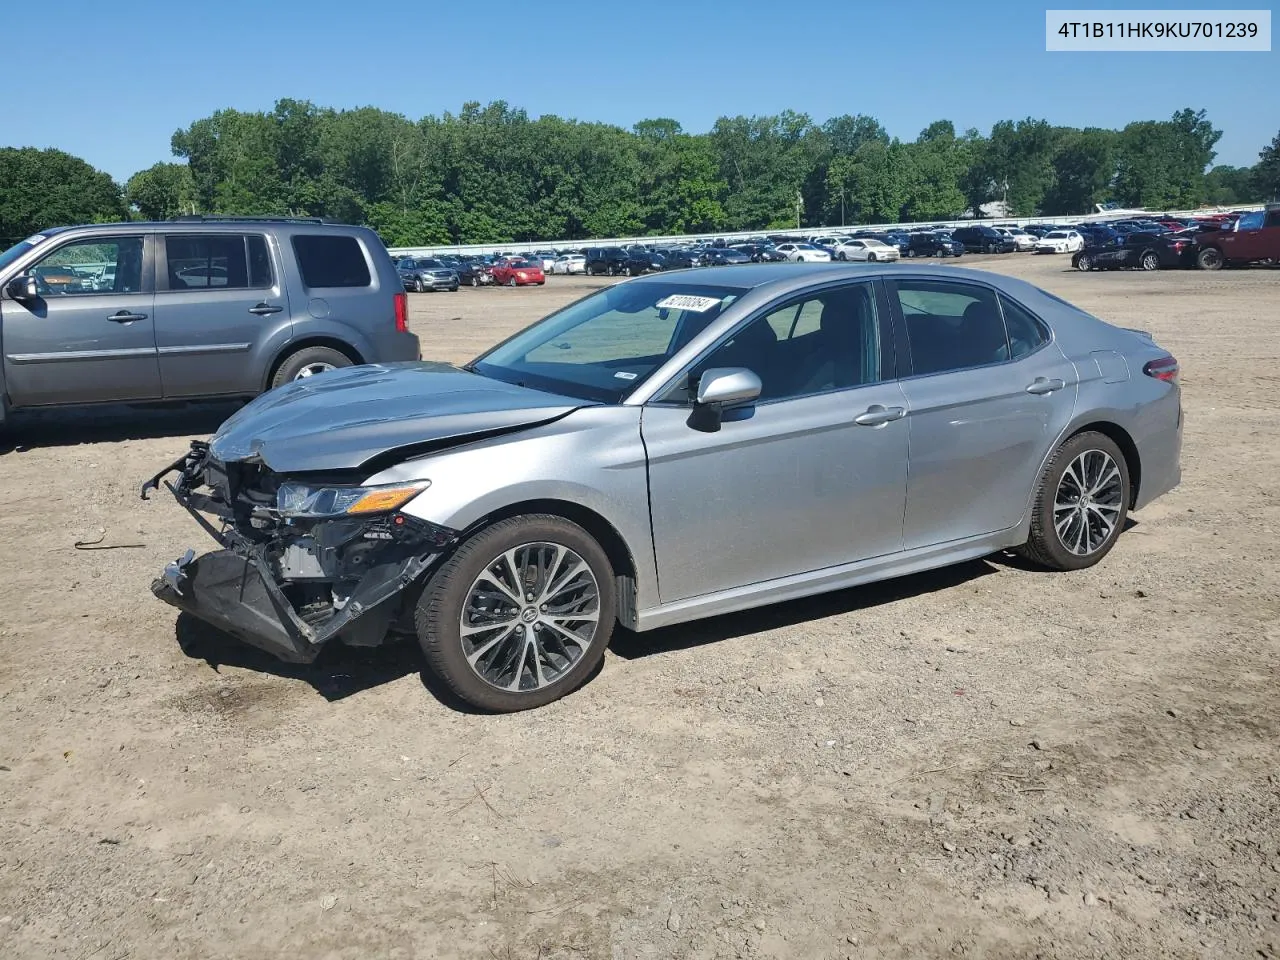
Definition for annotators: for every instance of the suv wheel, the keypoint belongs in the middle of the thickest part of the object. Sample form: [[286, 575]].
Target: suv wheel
[[1080, 505], [520, 615], [911, 252], [307, 362], [475, 280], [418, 285], [1210, 258]]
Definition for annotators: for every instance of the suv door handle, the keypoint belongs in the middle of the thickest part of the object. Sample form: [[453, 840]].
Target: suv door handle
[[877, 415], [124, 316], [263, 309], [1041, 386]]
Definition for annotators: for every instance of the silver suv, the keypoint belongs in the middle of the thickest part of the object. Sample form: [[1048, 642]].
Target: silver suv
[[192, 308]]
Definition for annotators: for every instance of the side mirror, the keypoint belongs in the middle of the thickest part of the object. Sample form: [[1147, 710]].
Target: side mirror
[[723, 385], [717, 389], [22, 287]]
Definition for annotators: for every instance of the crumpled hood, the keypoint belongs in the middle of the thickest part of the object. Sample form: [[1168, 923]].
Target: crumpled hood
[[342, 419]]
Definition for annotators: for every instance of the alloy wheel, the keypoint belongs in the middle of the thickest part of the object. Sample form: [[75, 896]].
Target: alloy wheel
[[1150, 261], [1088, 502], [311, 369], [529, 616]]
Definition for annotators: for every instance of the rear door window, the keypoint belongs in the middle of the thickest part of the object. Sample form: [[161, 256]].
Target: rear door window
[[331, 260], [951, 325], [217, 262]]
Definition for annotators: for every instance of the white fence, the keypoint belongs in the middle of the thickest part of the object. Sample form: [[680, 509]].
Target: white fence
[[660, 241]]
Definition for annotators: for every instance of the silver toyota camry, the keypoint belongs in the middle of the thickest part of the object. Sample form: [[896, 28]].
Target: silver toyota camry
[[673, 447]]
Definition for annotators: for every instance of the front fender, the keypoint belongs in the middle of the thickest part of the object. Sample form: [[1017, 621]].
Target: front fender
[[593, 458]]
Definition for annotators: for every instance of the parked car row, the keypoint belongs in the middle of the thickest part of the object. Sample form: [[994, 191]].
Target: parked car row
[[1210, 244]]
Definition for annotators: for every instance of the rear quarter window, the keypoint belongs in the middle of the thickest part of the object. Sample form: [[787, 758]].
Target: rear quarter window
[[331, 260]]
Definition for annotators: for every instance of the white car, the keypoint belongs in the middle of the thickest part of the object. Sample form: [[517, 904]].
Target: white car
[[1060, 241], [803, 253], [569, 263], [1024, 240], [866, 249], [543, 258]]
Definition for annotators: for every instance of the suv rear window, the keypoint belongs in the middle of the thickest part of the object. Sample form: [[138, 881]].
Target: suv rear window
[[331, 260]]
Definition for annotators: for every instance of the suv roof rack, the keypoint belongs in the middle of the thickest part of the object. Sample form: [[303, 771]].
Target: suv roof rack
[[231, 218]]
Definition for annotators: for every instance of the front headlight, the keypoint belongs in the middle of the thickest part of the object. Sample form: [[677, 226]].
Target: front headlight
[[304, 500]]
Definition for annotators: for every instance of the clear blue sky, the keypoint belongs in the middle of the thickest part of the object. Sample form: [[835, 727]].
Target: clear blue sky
[[120, 77]]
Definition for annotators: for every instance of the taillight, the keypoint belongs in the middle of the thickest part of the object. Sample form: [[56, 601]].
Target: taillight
[[1166, 368], [402, 313]]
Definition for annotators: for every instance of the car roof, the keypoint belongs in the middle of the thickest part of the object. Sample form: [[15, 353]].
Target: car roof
[[779, 278], [207, 224]]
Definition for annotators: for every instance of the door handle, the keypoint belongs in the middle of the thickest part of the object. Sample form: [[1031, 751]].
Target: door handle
[[263, 309], [124, 316], [1041, 386], [877, 415]]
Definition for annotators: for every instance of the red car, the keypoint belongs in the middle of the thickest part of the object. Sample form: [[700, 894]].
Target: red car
[[517, 272]]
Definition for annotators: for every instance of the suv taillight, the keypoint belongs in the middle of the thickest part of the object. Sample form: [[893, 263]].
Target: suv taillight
[[1166, 368], [402, 313]]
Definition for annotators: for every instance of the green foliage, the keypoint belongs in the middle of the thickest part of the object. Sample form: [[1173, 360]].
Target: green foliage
[[1162, 163], [1266, 175], [162, 191], [1084, 164], [490, 173], [49, 188], [1227, 186]]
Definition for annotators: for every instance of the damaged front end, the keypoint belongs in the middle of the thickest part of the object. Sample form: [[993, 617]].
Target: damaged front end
[[305, 558]]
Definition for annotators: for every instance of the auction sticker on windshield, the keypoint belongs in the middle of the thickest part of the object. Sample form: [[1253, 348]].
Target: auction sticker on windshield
[[35, 238], [684, 301]]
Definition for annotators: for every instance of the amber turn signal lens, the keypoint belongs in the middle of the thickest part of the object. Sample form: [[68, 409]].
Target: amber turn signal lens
[[380, 501]]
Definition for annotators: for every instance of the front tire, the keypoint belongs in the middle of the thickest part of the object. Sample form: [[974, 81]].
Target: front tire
[[417, 285], [511, 282], [1080, 505], [520, 615]]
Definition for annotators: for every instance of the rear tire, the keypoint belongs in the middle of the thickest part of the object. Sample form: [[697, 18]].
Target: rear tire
[[440, 610], [1056, 533], [1084, 262], [871, 257], [292, 366]]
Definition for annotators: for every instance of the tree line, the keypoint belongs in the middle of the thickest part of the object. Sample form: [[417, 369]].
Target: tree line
[[492, 174]]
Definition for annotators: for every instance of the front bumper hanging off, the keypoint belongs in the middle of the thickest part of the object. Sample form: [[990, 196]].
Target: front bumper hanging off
[[238, 589]]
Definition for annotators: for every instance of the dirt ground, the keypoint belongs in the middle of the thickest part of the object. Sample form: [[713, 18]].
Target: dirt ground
[[986, 761]]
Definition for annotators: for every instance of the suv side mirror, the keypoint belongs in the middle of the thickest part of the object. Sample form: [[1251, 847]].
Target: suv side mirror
[[22, 287]]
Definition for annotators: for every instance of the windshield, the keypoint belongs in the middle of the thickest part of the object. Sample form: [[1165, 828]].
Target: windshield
[[606, 345], [1056, 235], [18, 249]]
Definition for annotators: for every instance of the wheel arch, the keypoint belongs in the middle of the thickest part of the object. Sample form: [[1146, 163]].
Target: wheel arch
[[293, 346], [615, 546]]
